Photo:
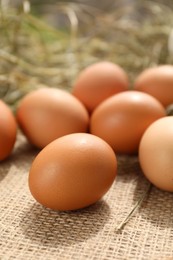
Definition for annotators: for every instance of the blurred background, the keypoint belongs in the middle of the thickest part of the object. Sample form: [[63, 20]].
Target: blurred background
[[50, 42]]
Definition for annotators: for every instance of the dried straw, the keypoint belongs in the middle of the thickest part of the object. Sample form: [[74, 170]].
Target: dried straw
[[33, 52]]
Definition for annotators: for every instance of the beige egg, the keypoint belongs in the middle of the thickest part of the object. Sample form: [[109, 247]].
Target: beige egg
[[72, 172], [98, 82], [122, 119], [155, 153], [158, 82], [48, 113]]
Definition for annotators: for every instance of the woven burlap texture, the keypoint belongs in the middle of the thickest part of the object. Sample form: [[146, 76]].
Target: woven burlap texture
[[29, 231]]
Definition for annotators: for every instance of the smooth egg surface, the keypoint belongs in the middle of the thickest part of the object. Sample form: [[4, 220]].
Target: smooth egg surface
[[98, 82], [72, 172], [156, 153], [48, 113], [158, 82], [8, 130], [122, 119]]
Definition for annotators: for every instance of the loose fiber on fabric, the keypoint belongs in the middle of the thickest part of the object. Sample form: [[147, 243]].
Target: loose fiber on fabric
[[31, 232]]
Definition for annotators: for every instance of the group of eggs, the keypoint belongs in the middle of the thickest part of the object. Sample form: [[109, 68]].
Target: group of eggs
[[80, 133]]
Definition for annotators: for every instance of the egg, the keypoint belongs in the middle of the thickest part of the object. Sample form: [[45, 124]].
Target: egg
[[8, 130], [48, 113], [158, 82], [122, 119], [155, 153], [72, 172], [98, 82]]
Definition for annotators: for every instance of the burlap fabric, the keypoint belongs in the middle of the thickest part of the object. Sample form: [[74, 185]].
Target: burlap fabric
[[29, 231]]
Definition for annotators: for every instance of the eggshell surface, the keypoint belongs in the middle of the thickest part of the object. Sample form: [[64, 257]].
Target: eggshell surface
[[98, 82], [8, 130], [72, 172], [155, 153], [48, 113], [158, 82], [122, 119]]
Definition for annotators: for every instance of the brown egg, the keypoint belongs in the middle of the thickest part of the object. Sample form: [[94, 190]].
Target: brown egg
[[155, 153], [72, 172], [158, 82], [98, 82], [8, 131], [122, 119], [48, 113]]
